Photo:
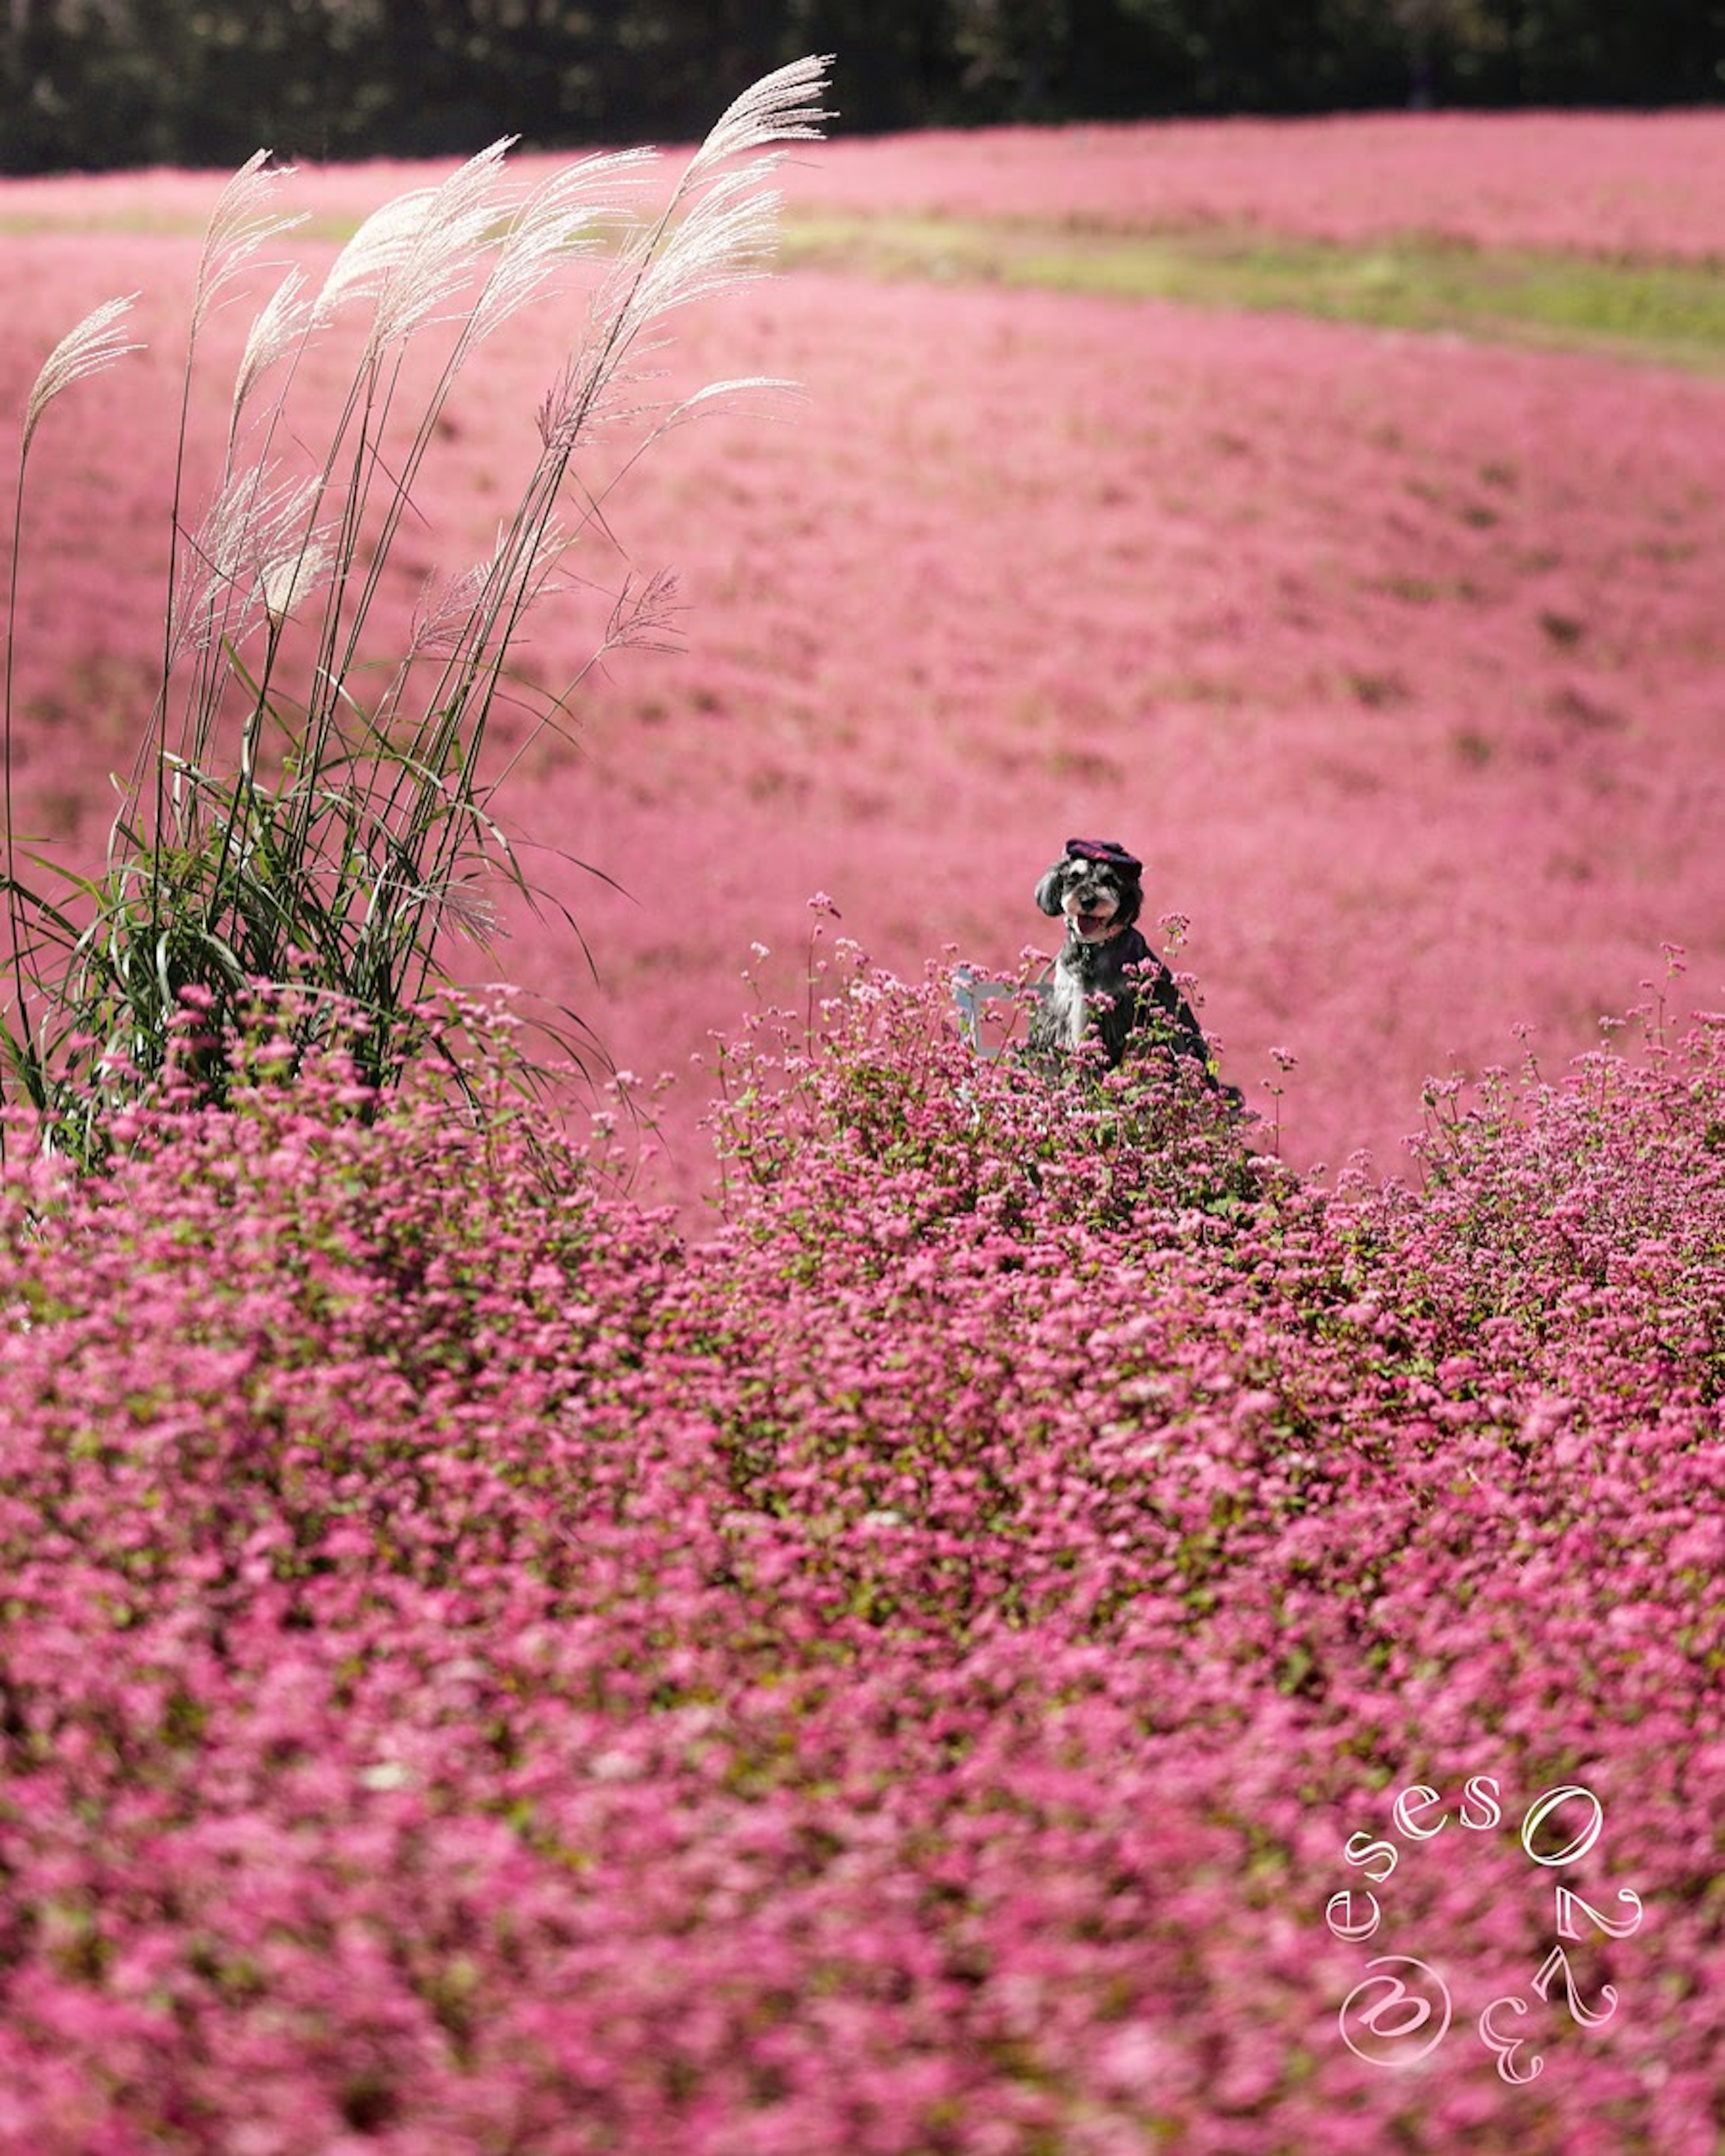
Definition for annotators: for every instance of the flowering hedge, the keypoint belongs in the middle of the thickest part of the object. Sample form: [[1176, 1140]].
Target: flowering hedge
[[480, 1670]]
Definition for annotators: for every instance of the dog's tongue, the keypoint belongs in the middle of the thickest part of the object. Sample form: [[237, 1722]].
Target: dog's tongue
[[1093, 924]]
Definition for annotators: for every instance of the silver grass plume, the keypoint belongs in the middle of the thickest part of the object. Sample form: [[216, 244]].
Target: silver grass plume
[[724, 240], [413, 254], [377, 248], [773, 385], [279, 325], [727, 239], [777, 109], [287, 576], [444, 609], [243, 220], [562, 219], [459, 228], [93, 346], [460, 902], [645, 616], [252, 534], [518, 565]]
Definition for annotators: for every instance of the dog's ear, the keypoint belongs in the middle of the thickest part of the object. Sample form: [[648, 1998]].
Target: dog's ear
[[1048, 892], [1131, 902]]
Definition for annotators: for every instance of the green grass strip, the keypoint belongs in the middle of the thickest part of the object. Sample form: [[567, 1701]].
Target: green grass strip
[[1667, 314]]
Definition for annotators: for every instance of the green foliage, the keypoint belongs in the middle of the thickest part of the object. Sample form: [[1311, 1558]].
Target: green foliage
[[141, 81]]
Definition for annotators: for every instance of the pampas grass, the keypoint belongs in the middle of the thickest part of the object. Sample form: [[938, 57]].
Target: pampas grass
[[290, 822]]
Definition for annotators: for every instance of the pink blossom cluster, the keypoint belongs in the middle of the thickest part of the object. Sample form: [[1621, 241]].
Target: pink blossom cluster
[[480, 1670]]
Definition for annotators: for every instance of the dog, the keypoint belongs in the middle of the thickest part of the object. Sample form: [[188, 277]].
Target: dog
[[1106, 978]]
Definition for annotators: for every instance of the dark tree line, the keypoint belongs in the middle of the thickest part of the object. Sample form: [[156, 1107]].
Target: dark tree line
[[103, 83]]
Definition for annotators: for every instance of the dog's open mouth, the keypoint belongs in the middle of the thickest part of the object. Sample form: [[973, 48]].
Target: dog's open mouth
[[1092, 925]]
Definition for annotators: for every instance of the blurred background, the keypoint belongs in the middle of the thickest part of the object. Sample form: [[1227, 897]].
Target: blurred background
[[89, 85]]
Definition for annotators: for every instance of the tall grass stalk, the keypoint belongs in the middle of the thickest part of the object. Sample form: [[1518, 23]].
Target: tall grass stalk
[[301, 813]]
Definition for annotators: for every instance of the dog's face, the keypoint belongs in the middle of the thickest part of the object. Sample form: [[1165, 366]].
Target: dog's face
[[1098, 898]]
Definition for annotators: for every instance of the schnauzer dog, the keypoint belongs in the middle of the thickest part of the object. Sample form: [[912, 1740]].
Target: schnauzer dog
[[1106, 976]]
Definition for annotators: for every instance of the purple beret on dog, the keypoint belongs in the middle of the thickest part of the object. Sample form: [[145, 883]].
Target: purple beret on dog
[[1108, 850]]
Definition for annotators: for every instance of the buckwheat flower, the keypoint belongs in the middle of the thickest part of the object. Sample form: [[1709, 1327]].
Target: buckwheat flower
[[385, 1774]]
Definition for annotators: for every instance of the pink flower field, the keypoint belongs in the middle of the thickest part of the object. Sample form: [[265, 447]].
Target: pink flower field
[[941, 1611], [973, 1656], [1644, 185], [1397, 659], [1630, 184]]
